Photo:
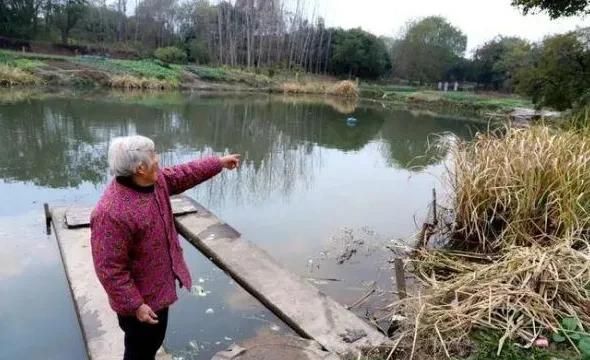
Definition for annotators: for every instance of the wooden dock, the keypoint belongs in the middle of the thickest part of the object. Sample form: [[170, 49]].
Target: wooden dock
[[300, 305]]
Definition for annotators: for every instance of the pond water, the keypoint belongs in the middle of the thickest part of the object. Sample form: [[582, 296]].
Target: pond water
[[321, 194]]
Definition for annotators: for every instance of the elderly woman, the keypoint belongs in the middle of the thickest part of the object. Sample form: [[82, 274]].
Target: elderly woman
[[135, 247]]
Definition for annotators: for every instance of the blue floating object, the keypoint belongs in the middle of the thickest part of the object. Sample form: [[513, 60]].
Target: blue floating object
[[351, 121]]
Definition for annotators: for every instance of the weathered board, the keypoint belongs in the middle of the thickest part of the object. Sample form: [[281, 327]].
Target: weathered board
[[80, 216], [102, 335], [303, 307]]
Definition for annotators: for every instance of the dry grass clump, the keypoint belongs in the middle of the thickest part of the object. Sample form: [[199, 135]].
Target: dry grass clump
[[129, 82], [291, 87], [518, 258], [522, 294], [525, 187], [346, 88], [12, 76]]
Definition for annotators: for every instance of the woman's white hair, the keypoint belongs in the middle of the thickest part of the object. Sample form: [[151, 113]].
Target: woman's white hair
[[127, 153]]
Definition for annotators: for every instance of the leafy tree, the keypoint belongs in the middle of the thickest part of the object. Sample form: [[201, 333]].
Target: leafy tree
[[358, 53], [462, 70], [18, 18], [428, 50], [555, 8], [99, 24], [66, 14], [560, 71], [498, 60]]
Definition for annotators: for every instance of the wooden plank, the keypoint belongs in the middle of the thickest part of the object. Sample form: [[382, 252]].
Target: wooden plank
[[100, 329], [80, 216], [303, 307]]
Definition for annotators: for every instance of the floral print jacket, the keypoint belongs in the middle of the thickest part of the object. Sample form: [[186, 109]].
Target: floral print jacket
[[135, 247]]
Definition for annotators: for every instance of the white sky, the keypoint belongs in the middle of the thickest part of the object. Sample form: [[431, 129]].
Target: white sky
[[481, 20]]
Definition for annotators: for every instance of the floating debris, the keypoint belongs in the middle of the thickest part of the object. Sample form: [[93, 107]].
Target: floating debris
[[345, 256], [348, 243], [351, 121], [201, 280], [199, 291], [227, 338], [321, 281], [209, 311], [193, 344], [275, 327]]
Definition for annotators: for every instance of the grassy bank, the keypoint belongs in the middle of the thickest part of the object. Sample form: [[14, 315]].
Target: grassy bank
[[29, 69], [446, 101]]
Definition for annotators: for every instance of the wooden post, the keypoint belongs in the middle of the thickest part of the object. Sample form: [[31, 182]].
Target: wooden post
[[434, 215], [400, 278], [47, 218]]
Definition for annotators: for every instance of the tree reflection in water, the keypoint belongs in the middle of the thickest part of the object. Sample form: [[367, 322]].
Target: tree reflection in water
[[61, 141]]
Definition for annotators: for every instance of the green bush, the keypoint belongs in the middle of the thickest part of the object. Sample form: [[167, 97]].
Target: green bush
[[171, 55], [198, 52]]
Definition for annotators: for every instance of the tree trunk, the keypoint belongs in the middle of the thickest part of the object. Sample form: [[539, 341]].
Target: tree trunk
[[64, 36], [248, 38], [219, 27]]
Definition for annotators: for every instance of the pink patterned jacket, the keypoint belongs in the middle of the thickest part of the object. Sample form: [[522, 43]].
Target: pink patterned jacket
[[135, 247]]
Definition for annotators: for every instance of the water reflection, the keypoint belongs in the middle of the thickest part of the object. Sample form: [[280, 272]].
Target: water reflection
[[61, 142], [412, 140]]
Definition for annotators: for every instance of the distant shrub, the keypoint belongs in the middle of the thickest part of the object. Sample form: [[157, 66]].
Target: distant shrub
[[198, 52], [171, 55], [271, 72]]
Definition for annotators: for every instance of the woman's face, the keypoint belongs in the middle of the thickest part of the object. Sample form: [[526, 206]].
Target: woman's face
[[149, 174]]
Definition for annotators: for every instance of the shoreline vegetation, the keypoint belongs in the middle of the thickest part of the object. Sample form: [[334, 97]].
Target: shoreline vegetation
[[26, 70], [501, 271]]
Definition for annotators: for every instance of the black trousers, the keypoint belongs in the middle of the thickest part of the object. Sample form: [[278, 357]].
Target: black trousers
[[143, 340]]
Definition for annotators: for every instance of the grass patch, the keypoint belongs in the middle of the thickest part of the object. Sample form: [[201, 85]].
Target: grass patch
[[130, 82], [346, 88], [293, 87], [141, 68], [485, 99], [579, 119], [487, 347], [221, 74], [210, 73], [25, 64], [460, 100], [32, 56], [13, 76]]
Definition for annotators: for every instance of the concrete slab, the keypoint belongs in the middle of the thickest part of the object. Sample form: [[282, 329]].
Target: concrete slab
[[103, 337], [267, 346], [299, 304], [80, 216]]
